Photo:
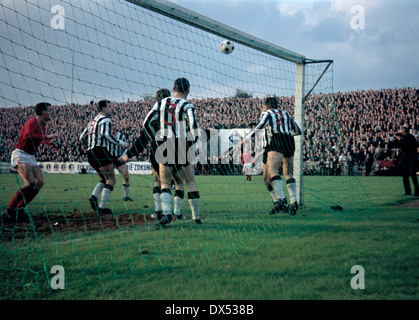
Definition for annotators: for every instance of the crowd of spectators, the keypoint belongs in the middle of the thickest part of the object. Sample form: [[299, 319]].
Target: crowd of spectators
[[344, 131]]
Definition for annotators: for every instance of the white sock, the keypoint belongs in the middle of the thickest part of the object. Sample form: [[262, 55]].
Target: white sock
[[273, 194], [157, 202], [278, 188], [98, 188], [166, 202], [178, 204], [292, 190], [179, 194], [106, 193], [194, 203], [126, 190], [193, 198]]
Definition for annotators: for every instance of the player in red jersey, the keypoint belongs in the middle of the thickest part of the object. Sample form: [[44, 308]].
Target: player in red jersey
[[248, 164], [23, 160]]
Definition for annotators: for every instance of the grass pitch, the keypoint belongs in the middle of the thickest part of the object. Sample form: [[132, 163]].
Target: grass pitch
[[240, 252]]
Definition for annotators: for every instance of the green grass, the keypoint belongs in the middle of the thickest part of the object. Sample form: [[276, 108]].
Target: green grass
[[238, 253]]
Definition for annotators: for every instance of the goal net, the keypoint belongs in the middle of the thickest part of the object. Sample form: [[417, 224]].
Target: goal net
[[125, 51]]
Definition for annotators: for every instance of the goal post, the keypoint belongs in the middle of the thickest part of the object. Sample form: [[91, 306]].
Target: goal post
[[204, 23], [299, 140]]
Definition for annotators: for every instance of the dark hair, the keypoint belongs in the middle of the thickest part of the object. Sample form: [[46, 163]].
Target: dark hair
[[41, 107], [182, 85], [271, 102], [103, 104], [162, 93]]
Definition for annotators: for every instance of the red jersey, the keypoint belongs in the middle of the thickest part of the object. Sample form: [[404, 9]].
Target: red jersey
[[31, 136], [247, 158]]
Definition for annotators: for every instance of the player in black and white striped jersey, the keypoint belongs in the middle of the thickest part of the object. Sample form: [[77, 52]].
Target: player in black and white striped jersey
[[98, 138], [175, 153], [116, 151], [279, 147], [148, 137]]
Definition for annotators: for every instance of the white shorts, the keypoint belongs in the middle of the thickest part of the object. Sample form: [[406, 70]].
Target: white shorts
[[248, 169], [19, 156]]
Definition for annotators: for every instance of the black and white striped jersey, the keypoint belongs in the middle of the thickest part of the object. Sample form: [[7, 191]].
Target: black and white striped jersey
[[276, 122], [172, 118], [98, 133], [151, 124], [117, 150]]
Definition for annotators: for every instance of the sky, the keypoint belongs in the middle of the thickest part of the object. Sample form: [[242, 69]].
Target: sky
[[112, 49], [381, 52]]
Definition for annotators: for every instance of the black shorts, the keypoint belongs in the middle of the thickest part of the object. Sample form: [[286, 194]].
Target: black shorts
[[117, 163], [282, 143], [99, 157], [176, 156]]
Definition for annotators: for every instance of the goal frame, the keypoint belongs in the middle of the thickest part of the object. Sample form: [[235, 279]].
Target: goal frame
[[199, 21]]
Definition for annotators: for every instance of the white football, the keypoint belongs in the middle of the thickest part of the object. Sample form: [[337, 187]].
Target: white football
[[227, 47]]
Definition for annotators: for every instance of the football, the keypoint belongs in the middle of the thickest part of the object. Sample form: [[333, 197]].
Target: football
[[227, 47]]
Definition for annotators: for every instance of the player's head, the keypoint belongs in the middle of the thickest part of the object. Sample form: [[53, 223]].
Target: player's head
[[182, 86], [162, 93], [41, 111], [270, 102], [103, 106], [41, 107]]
